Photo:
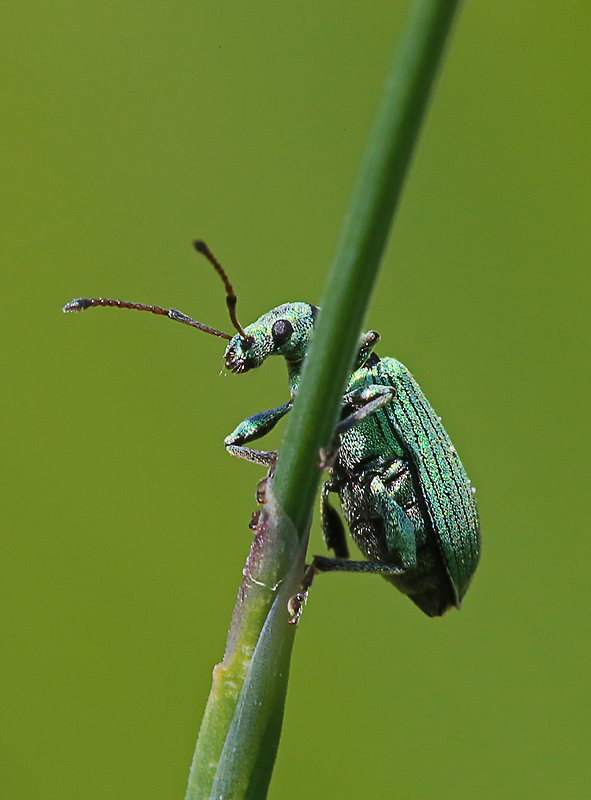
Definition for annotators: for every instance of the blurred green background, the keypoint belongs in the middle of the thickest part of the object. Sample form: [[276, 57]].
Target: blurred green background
[[129, 130]]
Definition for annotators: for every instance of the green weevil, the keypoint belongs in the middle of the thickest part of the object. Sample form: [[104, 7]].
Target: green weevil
[[403, 490]]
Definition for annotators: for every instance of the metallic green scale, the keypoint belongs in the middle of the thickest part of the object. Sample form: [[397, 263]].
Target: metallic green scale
[[405, 444], [403, 489]]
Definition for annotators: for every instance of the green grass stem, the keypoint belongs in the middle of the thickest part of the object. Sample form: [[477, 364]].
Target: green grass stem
[[241, 726]]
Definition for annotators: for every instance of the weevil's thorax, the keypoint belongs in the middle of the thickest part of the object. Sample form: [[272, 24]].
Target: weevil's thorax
[[283, 331], [369, 445]]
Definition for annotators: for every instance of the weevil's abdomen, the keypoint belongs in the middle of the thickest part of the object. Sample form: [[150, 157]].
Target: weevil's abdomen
[[408, 432], [426, 583]]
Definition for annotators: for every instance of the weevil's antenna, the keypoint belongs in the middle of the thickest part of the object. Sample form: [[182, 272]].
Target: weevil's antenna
[[231, 298], [82, 303]]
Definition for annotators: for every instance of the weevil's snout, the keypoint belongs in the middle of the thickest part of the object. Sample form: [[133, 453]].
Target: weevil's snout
[[241, 354]]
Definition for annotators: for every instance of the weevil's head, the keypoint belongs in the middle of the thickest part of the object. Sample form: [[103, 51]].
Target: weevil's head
[[283, 331]]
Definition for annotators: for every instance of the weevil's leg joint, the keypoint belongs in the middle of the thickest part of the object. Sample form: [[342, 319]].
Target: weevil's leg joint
[[367, 342], [295, 604], [261, 492]]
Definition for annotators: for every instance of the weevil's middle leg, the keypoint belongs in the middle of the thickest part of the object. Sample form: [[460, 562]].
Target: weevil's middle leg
[[369, 400], [333, 530]]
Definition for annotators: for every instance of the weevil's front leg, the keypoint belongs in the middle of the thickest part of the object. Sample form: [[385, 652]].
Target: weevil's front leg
[[367, 342], [265, 457], [253, 428]]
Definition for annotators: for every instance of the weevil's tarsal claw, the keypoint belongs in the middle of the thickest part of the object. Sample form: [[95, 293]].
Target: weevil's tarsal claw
[[295, 606], [328, 455], [261, 492]]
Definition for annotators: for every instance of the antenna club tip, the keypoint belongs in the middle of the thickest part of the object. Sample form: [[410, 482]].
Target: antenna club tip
[[79, 304], [200, 246]]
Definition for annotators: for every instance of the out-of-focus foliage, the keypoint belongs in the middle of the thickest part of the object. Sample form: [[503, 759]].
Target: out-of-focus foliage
[[130, 130]]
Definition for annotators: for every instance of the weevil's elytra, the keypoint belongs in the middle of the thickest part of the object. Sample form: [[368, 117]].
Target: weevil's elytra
[[401, 462], [403, 490]]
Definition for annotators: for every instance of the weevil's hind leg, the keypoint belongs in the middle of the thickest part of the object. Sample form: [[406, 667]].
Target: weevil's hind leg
[[322, 564], [400, 540], [333, 529]]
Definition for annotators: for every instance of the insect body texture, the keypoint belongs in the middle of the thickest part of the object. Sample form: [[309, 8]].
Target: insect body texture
[[405, 494], [403, 490]]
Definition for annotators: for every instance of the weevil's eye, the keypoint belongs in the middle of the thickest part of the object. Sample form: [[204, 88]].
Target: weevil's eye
[[281, 331]]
